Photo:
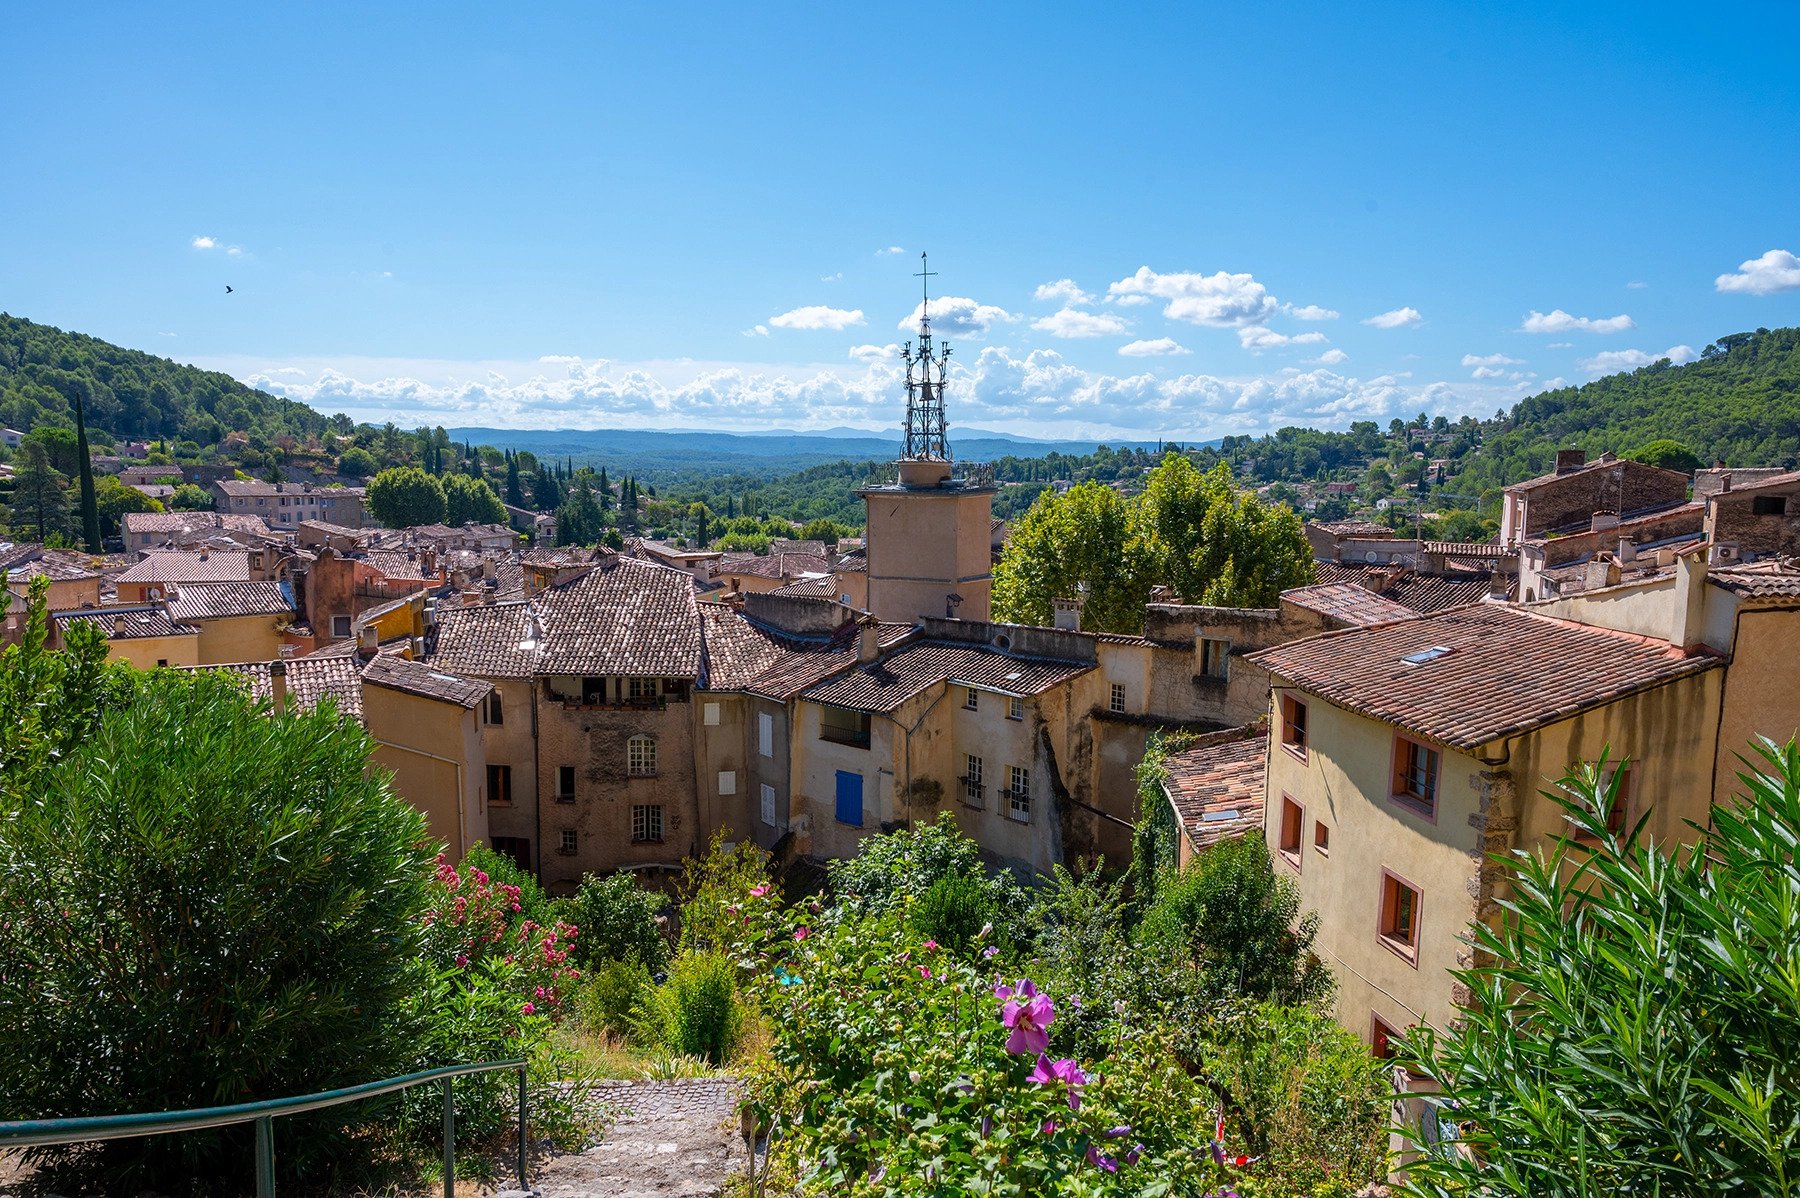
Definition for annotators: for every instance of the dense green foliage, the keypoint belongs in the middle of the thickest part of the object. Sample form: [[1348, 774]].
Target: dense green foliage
[[1635, 1030], [131, 394], [1192, 533], [617, 918], [406, 496], [471, 499]]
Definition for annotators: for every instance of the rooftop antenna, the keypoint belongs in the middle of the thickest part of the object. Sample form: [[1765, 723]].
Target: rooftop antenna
[[926, 437]]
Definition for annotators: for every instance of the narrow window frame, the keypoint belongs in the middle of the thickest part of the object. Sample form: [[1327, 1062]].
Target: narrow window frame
[[1295, 728], [1419, 764], [1387, 916], [1293, 818]]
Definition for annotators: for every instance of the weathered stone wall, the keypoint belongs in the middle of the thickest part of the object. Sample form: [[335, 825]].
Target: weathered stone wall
[[1731, 516], [1573, 498]]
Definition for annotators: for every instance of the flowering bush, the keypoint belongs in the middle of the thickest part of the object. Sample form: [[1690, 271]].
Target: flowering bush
[[474, 919]]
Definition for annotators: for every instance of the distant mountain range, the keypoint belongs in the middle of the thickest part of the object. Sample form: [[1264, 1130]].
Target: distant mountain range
[[760, 454]]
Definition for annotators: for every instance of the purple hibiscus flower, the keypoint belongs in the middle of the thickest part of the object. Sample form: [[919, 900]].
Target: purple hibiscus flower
[[1027, 1013], [1065, 1071]]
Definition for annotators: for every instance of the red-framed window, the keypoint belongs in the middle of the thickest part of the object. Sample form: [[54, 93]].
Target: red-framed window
[[1401, 904], [1418, 775], [1293, 726], [1293, 819]]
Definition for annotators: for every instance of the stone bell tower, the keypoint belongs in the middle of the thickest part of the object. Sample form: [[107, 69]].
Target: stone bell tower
[[929, 532]]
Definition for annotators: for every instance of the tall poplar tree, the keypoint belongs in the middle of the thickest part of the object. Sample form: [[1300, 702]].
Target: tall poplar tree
[[90, 507]]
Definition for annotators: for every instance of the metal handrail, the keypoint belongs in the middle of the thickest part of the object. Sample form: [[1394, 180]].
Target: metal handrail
[[32, 1132]]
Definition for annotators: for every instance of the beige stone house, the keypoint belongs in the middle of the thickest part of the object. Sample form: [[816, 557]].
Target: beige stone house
[[238, 621], [1402, 755]]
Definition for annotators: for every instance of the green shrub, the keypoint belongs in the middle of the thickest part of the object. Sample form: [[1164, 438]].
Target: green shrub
[[1240, 925], [614, 990], [891, 870], [534, 904], [697, 1011], [953, 912], [206, 906], [617, 921]]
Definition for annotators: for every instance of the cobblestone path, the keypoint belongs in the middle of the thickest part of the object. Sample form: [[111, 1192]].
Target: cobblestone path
[[674, 1142]]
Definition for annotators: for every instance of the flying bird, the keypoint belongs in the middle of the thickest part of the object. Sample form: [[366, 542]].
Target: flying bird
[[228, 289]]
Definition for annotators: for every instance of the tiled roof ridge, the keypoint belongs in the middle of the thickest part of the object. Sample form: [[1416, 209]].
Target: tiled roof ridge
[[1787, 479], [1636, 638]]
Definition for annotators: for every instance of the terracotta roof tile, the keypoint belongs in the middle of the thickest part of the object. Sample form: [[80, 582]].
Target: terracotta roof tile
[[125, 623], [1425, 593], [628, 618], [775, 565], [168, 565], [417, 678], [217, 600], [1759, 581], [483, 641], [310, 680], [897, 677], [1506, 671], [744, 654], [1216, 787], [1348, 602]]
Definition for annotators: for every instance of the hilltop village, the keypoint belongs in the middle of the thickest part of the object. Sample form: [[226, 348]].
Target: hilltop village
[[587, 711]]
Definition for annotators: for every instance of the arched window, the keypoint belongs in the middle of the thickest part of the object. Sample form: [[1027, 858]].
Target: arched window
[[640, 757]]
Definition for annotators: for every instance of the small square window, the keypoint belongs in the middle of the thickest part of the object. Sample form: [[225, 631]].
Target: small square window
[[971, 698], [709, 714], [1293, 726], [1381, 1032], [1321, 838], [727, 782], [1215, 658], [500, 784], [568, 843], [1018, 793], [1769, 505], [1015, 708], [1117, 702], [340, 626], [565, 784], [1293, 819], [1416, 770], [1399, 926], [971, 780], [647, 822]]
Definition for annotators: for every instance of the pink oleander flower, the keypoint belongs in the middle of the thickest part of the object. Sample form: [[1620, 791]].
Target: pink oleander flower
[[802, 932], [528, 1009], [1065, 1071], [931, 944], [1027, 1018], [758, 891], [924, 972], [1049, 1128]]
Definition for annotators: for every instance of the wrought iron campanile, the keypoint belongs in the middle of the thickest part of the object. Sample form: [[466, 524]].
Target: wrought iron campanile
[[926, 427]]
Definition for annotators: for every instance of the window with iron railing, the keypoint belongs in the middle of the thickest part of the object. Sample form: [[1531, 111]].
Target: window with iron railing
[[1416, 769], [971, 780], [1018, 793]]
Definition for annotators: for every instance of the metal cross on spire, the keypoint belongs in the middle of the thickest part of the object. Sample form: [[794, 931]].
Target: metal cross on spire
[[926, 427]]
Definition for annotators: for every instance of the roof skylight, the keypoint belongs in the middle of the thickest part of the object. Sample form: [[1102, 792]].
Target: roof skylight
[[1425, 655]]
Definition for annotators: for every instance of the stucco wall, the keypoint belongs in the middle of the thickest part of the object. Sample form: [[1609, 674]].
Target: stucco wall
[[722, 748], [239, 638], [436, 754], [926, 544], [1731, 517], [145, 652], [510, 743], [1762, 692]]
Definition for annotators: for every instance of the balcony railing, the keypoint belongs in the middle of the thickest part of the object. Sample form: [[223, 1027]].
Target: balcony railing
[[31, 1132]]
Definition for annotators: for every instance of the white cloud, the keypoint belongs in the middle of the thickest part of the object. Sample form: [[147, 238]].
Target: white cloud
[[1162, 347], [1614, 361], [297, 371], [1395, 319], [204, 243], [561, 359], [1037, 393], [892, 249], [757, 330], [1490, 360], [234, 250], [818, 316], [1310, 312], [1332, 357], [1219, 301], [957, 314], [1129, 301], [1070, 323], [875, 353], [1488, 372], [1774, 272], [1559, 321], [1257, 339], [831, 278], [1560, 345], [1637, 286], [1064, 290]]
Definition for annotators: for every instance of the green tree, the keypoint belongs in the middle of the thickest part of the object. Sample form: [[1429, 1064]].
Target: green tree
[[112, 499], [90, 510], [1216, 545], [39, 502], [546, 493], [1633, 1012], [827, 531], [515, 490], [617, 918], [357, 462], [405, 497], [62, 445], [1081, 543], [1670, 455], [190, 498], [206, 905], [579, 520], [700, 520], [467, 499]]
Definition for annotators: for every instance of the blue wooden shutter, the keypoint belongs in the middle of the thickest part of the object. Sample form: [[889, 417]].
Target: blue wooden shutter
[[849, 798]]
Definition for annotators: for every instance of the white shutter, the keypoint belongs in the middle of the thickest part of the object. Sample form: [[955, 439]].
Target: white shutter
[[768, 802], [710, 714], [727, 782], [765, 734]]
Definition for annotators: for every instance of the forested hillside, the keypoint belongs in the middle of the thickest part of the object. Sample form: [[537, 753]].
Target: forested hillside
[[130, 393]]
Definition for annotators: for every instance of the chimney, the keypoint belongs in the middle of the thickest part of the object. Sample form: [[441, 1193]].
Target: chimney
[[1690, 598], [1570, 459], [1497, 584], [368, 639], [1068, 614], [1602, 571], [1627, 551], [1725, 482], [868, 641], [1603, 521], [278, 685], [118, 625]]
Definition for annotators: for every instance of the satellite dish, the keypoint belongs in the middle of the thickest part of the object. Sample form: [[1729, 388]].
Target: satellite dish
[[1371, 556]]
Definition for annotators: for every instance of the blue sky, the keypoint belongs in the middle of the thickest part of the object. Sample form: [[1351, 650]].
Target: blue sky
[[1148, 221]]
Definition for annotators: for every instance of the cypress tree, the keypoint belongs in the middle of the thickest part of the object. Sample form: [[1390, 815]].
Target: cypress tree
[[90, 506]]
